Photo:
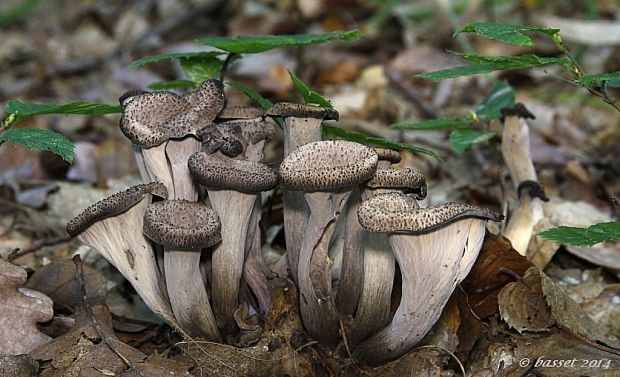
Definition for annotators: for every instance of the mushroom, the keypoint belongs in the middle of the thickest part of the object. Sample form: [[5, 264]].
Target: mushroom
[[109, 226], [326, 171], [149, 120], [302, 125], [233, 186], [352, 271], [529, 211], [435, 247], [185, 228], [162, 125], [377, 260]]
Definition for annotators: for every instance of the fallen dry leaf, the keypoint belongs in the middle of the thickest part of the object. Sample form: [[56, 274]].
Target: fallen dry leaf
[[20, 310], [536, 303], [490, 273], [58, 281], [91, 348]]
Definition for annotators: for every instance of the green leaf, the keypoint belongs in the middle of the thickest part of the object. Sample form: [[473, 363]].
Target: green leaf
[[28, 109], [200, 69], [174, 84], [261, 43], [583, 236], [256, 97], [463, 138], [330, 131], [175, 56], [611, 80], [253, 94], [502, 95], [436, 124], [450, 73], [41, 140], [513, 62], [506, 33], [22, 9], [309, 95]]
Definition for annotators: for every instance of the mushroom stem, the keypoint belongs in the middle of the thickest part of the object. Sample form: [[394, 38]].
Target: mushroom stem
[[352, 271], [516, 153], [373, 310], [318, 309], [188, 294], [235, 210], [255, 272], [157, 166]]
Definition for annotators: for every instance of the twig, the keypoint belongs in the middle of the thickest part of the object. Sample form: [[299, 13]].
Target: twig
[[79, 266], [346, 346], [448, 352], [36, 245]]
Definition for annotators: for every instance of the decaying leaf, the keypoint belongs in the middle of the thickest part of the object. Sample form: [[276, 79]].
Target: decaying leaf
[[522, 305], [58, 281], [536, 303], [490, 273], [91, 348], [20, 310]]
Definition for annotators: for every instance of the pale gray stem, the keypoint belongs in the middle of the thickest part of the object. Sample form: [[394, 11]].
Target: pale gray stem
[[351, 273], [318, 308], [188, 296], [255, 271], [373, 311], [297, 132], [235, 209]]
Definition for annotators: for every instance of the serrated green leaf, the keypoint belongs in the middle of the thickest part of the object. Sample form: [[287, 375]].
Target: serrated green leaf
[[513, 62], [583, 236], [200, 69], [174, 56], [330, 131], [436, 124], [463, 138], [261, 43], [450, 73], [309, 95], [506, 33], [502, 95], [28, 109], [608, 230], [611, 80], [174, 84], [40, 140]]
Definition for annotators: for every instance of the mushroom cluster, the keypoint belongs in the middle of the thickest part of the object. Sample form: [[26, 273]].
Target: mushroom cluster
[[189, 255]]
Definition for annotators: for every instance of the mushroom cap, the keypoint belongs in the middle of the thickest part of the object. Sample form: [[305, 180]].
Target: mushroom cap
[[233, 136], [145, 116], [386, 154], [297, 110], [208, 100], [128, 95], [241, 112], [327, 165], [399, 213], [406, 179], [229, 174], [248, 130], [182, 224], [114, 205]]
